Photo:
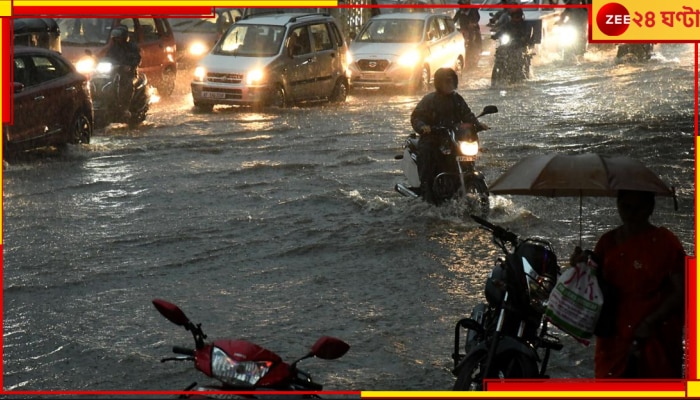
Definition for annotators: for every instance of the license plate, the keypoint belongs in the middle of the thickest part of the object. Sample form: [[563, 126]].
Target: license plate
[[368, 77], [465, 158], [213, 95]]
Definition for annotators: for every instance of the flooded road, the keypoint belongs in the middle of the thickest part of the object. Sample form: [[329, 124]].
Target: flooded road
[[283, 226]]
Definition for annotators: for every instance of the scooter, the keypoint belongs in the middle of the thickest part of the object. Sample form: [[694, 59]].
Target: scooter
[[105, 79], [241, 365], [459, 177], [505, 335]]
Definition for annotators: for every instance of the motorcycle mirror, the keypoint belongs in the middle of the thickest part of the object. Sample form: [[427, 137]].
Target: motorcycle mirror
[[329, 348], [489, 110], [172, 312]]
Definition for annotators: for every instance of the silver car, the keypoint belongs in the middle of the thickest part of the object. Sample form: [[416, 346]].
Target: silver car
[[403, 50]]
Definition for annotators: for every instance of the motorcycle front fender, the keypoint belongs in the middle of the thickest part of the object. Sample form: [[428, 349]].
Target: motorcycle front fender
[[505, 344]]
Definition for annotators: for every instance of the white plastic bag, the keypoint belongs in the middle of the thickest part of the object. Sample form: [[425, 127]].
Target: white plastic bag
[[576, 301]]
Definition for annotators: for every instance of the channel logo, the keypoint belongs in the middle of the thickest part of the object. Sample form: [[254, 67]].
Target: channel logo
[[613, 19]]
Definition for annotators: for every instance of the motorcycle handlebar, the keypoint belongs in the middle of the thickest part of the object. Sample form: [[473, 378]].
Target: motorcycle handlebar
[[183, 350], [497, 231]]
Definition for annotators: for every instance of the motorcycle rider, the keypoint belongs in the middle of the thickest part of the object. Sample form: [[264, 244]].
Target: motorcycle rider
[[468, 19], [127, 56], [520, 32], [442, 108], [578, 18]]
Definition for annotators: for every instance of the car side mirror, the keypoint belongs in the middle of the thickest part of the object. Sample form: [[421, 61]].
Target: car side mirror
[[18, 87]]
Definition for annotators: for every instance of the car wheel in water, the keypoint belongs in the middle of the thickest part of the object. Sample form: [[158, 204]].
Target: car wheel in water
[[340, 91], [424, 80], [203, 107], [459, 66], [279, 97], [80, 129]]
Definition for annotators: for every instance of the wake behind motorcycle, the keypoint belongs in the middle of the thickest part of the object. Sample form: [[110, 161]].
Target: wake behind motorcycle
[[505, 335], [459, 177], [241, 365], [105, 79]]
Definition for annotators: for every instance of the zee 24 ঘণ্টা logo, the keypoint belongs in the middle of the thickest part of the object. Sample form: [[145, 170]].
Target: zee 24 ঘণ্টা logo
[[671, 20]]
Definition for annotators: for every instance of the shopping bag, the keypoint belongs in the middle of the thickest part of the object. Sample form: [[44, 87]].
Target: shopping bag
[[576, 301]]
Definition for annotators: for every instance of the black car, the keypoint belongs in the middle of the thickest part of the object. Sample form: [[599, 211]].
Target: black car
[[52, 103]]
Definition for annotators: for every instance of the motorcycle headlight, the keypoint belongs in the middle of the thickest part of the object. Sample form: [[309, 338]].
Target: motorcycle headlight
[[469, 148], [566, 36], [505, 39], [199, 74], [104, 67], [255, 77], [237, 373], [85, 65], [409, 59]]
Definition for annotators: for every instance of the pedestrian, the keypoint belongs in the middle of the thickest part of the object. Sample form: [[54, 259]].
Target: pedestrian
[[643, 265]]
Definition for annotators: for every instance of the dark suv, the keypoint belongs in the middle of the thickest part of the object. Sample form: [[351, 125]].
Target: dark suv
[[153, 35]]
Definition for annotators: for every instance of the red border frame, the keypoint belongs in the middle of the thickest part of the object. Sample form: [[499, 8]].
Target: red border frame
[[532, 386]]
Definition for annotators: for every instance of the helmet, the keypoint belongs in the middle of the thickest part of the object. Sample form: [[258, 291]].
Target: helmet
[[444, 76], [516, 14], [118, 33]]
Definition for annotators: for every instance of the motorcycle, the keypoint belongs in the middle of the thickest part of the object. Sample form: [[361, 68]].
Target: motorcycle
[[511, 62], [459, 177], [505, 335], [241, 365], [105, 77], [634, 52], [572, 40]]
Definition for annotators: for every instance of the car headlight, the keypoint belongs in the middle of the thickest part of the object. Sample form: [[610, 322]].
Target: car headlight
[[199, 74], [505, 39], [85, 65], [237, 373], [469, 148], [197, 49], [409, 59], [104, 67], [255, 77]]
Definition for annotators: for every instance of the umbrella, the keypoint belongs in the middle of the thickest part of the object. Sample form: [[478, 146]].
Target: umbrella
[[562, 175]]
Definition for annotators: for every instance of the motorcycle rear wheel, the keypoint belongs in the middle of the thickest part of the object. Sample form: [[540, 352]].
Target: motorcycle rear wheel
[[505, 366]]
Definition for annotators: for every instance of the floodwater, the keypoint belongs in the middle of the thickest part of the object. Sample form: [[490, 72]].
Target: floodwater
[[283, 226]]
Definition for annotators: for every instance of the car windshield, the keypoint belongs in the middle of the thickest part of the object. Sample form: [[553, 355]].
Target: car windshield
[[84, 31], [251, 41], [199, 25], [392, 31]]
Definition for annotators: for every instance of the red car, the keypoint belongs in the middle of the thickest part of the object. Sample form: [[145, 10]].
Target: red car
[[52, 103]]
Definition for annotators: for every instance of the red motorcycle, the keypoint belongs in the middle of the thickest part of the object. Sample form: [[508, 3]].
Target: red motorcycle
[[242, 366]]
